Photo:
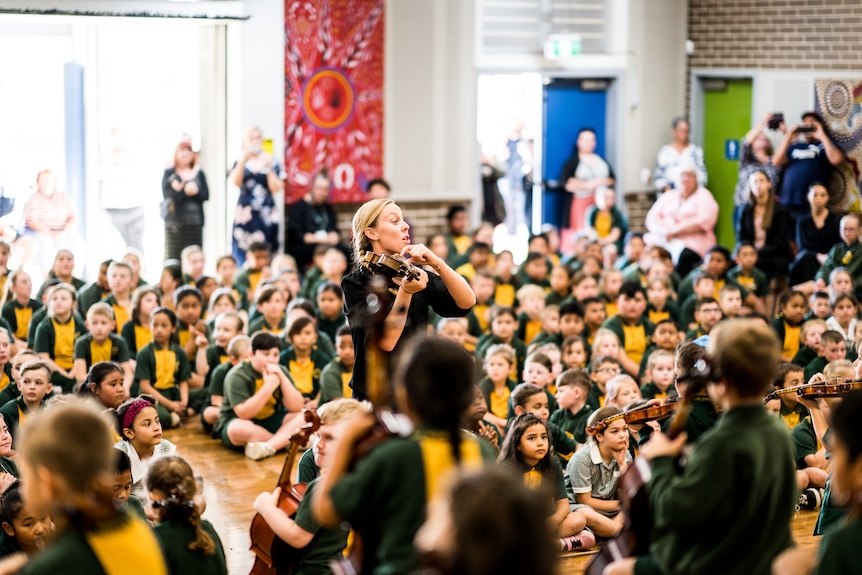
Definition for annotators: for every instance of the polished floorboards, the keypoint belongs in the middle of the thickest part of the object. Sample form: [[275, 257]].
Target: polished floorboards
[[231, 483]]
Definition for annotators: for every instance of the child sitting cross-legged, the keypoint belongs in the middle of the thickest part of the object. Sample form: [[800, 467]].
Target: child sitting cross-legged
[[238, 349], [527, 449], [594, 471], [101, 344], [23, 530]]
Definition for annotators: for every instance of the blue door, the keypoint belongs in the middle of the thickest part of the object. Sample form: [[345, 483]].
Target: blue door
[[567, 108]]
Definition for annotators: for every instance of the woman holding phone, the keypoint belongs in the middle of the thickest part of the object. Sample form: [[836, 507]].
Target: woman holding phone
[[258, 176], [756, 156]]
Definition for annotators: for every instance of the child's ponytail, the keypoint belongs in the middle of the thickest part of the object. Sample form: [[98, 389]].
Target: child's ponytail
[[438, 377], [173, 477]]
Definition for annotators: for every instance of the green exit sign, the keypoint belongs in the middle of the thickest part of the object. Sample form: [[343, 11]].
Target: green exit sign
[[558, 46]]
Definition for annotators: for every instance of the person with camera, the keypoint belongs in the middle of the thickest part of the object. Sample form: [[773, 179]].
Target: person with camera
[[756, 155], [807, 155], [184, 189], [258, 176]]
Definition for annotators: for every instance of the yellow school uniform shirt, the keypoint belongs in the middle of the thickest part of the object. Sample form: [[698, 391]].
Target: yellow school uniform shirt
[[611, 308], [23, 315], [500, 403], [143, 336], [100, 351], [718, 285], [345, 384], [183, 335], [166, 368], [253, 280], [303, 375], [4, 379], [462, 243], [268, 408], [657, 316], [121, 316], [133, 543], [790, 345], [747, 282], [64, 343], [603, 224], [636, 342], [534, 326], [504, 294]]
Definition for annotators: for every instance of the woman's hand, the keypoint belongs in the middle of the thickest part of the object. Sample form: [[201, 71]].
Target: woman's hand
[[191, 189], [413, 286], [177, 185], [422, 255]]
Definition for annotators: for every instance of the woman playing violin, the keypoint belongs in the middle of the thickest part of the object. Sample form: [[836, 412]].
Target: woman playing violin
[[379, 227]]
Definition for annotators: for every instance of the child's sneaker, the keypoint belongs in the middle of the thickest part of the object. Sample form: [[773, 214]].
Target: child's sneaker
[[809, 499], [257, 450], [582, 540]]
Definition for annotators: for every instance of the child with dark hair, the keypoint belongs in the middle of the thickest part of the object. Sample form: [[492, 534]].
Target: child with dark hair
[[335, 377], [535, 270], [330, 304], [105, 384], [504, 323], [303, 360], [163, 369], [170, 281], [488, 523], [192, 333], [665, 336], [136, 331], [434, 383], [122, 485], [573, 389], [707, 313], [527, 450], [792, 307], [530, 398], [630, 326], [746, 274], [271, 303], [789, 409], [23, 530], [190, 543]]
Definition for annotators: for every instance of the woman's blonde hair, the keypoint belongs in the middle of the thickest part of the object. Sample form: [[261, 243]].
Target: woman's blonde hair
[[366, 217]]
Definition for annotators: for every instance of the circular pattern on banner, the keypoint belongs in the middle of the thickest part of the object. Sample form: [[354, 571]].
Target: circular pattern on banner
[[837, 99], [328, 99]]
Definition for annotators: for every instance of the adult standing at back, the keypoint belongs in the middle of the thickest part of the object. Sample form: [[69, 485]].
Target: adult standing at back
[[583, 173], [671, 157], [682, 221], [258, 176], [184, 189], [312, 222], [756, 155], [807, 155]]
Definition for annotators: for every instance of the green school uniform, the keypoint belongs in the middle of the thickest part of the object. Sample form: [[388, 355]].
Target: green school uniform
[[816, 365], [564, 444], [745, 459], [805, 441], [8, 545], [839, 550], [842, 255], [312, 279], [247, 278], [134, 507], [651, 391], [77, 283], [330, 326], [574, 424], [333, 381], [669, 311], [60, 349], [90, 294], [486, 386], [215, 388], [792, 417], [327, 544], [125, 545], [241, 382], [757, 282], [616, 325], [395, 480], [307, 470], [18, 316], [489, 339], [136, 336], [88, 350], [804, 356], [175, 538], [121, 314], [260, 324], [318, 360], [164, 368], [686, 286]]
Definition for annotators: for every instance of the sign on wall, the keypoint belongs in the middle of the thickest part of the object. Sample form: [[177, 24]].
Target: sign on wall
[[333, 117]]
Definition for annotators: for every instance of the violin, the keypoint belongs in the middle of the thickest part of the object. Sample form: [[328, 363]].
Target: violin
[[393, 266], [833, 388], [273, 555], [637, 416]]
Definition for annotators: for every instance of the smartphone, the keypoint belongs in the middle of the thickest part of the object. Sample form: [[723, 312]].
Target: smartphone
[[775, 121], [805, 129]]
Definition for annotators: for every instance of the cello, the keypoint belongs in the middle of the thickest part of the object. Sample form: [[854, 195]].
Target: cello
[[634, 539], [272, 555]]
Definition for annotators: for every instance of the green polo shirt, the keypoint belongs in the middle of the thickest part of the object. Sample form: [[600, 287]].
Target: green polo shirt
[[240, 384], [327, 544], [394, 481], [332, 380], [574, 424], [84, 349], [175, 538], [839, 550], [18, 316], [46, 341], [147, 367]]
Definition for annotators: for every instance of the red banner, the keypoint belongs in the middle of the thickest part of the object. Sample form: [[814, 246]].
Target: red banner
[[333, 110]]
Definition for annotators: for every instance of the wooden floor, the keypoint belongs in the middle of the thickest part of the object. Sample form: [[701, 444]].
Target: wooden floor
[[231, 483]]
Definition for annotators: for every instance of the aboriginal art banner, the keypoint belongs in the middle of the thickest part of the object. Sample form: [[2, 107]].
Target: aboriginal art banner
[[839, 102], [333, 82]]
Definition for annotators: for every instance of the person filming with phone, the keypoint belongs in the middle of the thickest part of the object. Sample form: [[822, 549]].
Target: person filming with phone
[[258, 176], [756, 155], [807, 155]]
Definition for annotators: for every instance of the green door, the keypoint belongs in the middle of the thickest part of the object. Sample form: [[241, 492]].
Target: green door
[[726, 116]]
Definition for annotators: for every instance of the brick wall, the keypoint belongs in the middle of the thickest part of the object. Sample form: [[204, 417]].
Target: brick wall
[[425, 217], [638, 204], [786, 34]]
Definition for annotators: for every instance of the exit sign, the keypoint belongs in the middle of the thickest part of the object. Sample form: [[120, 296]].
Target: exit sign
[[558, 46]]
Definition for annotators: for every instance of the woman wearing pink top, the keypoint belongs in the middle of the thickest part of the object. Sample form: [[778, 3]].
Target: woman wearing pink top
[[683, 221]]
